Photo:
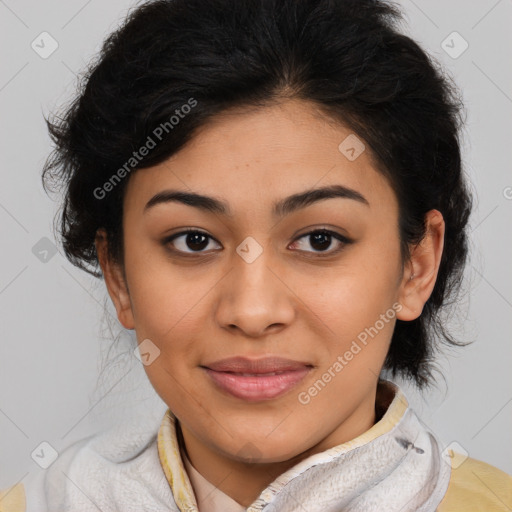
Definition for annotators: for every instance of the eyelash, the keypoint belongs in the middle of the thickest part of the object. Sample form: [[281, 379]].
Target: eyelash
[[342, 239]]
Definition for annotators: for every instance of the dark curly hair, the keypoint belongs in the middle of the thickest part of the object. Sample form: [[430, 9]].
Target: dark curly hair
[[345, 56]]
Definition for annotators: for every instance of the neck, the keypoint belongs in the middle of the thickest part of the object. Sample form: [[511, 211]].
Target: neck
[[243, 482]]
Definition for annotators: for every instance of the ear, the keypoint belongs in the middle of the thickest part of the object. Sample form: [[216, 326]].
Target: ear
[[421, 270], [115, 281]]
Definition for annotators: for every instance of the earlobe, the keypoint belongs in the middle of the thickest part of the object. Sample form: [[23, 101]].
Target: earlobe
[[421, 270], [115, 282]]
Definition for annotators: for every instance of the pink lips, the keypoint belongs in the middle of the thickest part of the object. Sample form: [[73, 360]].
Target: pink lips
[[257, 379]]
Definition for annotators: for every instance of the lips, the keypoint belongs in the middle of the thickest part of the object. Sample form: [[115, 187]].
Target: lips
[[256, 379]]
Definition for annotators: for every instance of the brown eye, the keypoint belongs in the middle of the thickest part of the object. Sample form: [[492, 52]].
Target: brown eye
[[190, 241], [322, 240]]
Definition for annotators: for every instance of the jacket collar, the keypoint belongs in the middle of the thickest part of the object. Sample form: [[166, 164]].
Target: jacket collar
[[396, 450]]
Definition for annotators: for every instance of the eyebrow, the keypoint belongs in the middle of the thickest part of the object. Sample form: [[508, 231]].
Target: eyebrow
[[280, 208]]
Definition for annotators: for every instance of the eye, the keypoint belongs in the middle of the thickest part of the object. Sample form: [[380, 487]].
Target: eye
[[321, 240], [192, 239]]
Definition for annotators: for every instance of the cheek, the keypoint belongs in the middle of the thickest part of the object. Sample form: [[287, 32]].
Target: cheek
[[356, 332], [163, 311], [356, 303], [354, 295], [167, 299]]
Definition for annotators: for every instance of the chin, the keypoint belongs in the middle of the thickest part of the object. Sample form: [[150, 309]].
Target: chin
[[260, 449], [252, 455]]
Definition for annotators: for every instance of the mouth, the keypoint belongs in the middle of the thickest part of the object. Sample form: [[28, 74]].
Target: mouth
[[256, 379]]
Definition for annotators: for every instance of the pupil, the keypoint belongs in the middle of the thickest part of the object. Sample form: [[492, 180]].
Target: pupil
[[193, 239], [321, 239]]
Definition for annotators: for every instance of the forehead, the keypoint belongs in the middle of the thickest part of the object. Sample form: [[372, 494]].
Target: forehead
[[254, 157]]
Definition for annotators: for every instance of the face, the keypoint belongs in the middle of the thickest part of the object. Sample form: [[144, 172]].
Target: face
[[303, 293]]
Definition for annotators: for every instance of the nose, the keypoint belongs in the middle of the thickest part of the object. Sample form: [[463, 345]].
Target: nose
[[254, 298]]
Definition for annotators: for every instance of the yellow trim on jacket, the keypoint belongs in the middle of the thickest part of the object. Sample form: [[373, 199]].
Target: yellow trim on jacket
[[13, 499], [476, 486], [393, 401]]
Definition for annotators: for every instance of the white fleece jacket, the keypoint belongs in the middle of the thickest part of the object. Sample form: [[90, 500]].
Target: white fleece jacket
[[397, 465]]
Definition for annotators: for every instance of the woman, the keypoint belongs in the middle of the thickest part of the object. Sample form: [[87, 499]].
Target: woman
[[273, 193]]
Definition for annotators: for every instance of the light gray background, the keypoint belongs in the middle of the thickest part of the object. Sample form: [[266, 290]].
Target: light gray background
[[53, 339]]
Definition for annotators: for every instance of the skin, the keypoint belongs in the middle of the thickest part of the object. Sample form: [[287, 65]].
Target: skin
[[290, 301]]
